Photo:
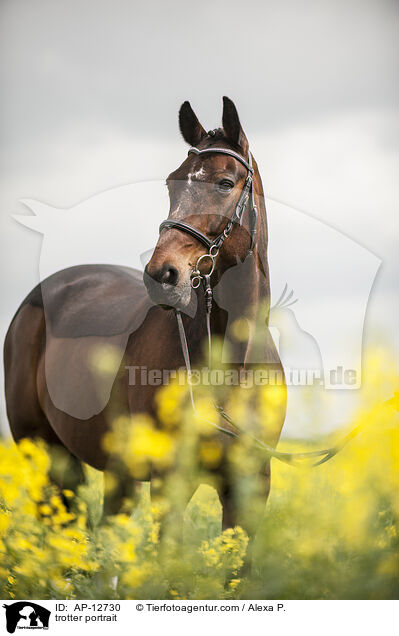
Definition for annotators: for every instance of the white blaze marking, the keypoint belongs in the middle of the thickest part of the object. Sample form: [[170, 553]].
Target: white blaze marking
[[199, 175]]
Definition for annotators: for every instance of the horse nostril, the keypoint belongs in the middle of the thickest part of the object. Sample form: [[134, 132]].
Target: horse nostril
[[169, 275]]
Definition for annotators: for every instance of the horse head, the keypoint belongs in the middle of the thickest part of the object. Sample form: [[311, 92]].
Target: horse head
[[215, 195]]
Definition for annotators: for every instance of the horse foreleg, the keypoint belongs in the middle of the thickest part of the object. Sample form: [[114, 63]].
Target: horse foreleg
[[172, 506], [244, 499], [243, 504], [66, 473], [120, 492]]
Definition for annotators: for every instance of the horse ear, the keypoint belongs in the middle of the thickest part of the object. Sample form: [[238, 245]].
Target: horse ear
[[190, 127], [232, 126]]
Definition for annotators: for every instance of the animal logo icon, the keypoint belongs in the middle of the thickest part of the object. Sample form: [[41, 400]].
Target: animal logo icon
[[26, 615], [331, 273]]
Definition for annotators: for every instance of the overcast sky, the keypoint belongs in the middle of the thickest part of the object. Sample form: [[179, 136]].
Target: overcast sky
[[91, 90]]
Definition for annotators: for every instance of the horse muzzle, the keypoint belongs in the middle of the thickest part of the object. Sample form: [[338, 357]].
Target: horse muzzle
[[166, 288]]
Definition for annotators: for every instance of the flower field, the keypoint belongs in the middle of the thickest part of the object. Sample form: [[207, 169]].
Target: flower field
[[329, 532]]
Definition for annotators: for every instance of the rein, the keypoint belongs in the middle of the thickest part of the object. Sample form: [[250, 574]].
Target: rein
[[318, 457]]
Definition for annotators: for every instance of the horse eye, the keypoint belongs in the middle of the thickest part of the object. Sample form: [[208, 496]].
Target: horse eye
[[225, 185]]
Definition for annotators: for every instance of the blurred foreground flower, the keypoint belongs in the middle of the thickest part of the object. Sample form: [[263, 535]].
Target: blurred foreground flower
[[329, 532]]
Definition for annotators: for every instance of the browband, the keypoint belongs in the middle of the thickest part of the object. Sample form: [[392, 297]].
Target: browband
[[223, 151]]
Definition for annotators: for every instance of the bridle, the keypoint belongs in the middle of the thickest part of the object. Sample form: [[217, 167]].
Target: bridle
[[213, 246]]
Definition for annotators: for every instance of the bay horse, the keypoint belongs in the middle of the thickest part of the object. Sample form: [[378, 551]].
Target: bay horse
[[216, 231]]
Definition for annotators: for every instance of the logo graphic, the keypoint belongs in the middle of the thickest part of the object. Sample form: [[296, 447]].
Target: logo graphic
[[26, 615], [321, 282]]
